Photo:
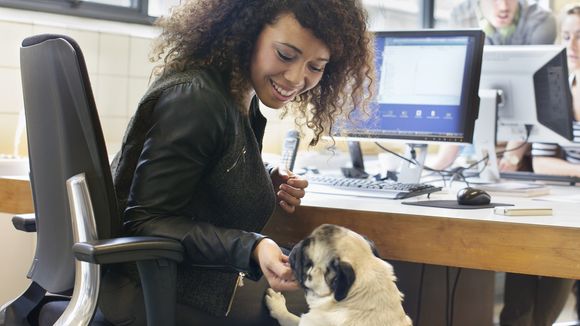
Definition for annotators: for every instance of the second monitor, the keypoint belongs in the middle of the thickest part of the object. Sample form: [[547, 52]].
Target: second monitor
[[536, 99]]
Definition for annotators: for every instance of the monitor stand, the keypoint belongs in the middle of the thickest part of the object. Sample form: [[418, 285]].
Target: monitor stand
[[406, 173], [411, 172], [356, 157], [484, 137]]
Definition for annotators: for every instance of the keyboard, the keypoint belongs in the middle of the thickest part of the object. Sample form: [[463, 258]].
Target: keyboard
[[336, 185]]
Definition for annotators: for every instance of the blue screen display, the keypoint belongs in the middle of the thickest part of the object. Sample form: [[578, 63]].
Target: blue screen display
[[421, 95]]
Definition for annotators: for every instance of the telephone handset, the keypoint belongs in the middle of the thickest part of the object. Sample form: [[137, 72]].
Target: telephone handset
[[289, 149]]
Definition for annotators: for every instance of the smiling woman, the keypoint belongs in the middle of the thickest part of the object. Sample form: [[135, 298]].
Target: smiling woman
[[288, 61], [192, 37], [190, 167]]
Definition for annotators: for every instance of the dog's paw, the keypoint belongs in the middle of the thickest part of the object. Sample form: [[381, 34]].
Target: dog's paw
[[276, 303]]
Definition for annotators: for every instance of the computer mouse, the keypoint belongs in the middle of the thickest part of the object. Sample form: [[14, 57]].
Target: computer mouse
[[473, 196]]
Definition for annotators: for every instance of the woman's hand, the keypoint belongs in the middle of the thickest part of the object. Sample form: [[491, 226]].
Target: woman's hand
[[275, 266], [289, 188]]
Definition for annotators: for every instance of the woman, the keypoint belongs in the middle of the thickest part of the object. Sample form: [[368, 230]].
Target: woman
[[190, 167], [534, 300], [552, 158]]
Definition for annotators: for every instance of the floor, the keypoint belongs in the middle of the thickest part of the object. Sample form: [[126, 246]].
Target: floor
[[568, 316]]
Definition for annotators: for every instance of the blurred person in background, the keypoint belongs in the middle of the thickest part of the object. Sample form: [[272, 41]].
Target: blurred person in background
[[504, 22]]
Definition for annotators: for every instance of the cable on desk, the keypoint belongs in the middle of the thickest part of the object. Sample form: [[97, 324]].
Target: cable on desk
[[457, 172], [413, 161]]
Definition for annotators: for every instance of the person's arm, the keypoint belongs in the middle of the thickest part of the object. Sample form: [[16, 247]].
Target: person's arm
[[555, 166], [544, 32], [514, 153], [547, 159], [275, 265], [179, 148], [445, 157]]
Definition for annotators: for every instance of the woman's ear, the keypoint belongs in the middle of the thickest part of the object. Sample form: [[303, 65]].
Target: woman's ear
[[344, 279]]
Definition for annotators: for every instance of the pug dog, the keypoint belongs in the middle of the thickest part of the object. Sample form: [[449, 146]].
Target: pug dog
[[345, 283]]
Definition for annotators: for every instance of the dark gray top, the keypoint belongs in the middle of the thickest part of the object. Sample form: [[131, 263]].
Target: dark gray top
[[190, 169]]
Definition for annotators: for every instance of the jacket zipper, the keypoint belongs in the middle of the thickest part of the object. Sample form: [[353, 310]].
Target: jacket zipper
[[242, 155], [239, 283]]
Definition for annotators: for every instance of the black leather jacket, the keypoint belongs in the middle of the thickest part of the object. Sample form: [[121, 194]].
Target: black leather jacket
[[190, 169]]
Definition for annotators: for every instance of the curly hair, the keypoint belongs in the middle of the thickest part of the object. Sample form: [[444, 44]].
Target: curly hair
[[223, 33]]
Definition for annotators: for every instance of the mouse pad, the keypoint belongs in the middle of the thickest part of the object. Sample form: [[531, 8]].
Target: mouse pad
[[451, 204]]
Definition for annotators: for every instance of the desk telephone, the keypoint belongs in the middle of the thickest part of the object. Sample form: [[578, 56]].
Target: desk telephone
[[289, 149]]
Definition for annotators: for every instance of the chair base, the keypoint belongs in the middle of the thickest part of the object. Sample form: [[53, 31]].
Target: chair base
[[52, 311], [21, 310]]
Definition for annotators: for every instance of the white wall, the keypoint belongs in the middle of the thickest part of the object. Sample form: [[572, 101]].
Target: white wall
[[116, 58]]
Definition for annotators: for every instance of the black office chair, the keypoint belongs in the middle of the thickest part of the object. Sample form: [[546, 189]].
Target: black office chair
[[76, 214]]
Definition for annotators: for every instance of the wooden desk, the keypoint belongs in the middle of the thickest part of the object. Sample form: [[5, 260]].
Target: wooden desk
[[15, 195], [478, 239]]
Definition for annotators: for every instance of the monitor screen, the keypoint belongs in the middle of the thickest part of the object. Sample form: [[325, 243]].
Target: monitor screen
[[536, 102], [427, 84]]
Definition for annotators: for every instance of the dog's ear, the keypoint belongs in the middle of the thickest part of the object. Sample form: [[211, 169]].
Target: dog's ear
[[297, 261], [373, 247], [344, 279]]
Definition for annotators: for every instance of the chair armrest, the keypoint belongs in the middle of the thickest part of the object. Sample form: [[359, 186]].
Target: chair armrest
[[128, 249], [25, 222]]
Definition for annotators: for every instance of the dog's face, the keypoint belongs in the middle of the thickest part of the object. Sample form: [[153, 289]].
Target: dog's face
[[325, 262]]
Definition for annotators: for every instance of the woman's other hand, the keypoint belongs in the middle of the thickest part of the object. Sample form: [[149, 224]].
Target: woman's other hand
[[275, 266], [289, 188]]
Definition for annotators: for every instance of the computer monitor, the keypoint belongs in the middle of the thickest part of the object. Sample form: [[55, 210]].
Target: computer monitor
[[428, 83], [536, 103]]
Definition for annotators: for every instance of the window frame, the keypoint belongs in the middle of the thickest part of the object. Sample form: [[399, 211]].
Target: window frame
[[136, 15], [139, 15], [427, 13]]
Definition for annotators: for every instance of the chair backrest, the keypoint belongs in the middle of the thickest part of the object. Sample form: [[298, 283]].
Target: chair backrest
[[64, 139]]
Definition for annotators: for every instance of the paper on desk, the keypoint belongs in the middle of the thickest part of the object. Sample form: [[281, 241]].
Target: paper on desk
[[562, 198]]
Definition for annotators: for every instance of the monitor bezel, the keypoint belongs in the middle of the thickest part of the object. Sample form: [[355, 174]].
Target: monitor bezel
[[470, 89]]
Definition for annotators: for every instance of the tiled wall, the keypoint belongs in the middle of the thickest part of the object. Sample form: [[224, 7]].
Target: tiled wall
[[118, 67]]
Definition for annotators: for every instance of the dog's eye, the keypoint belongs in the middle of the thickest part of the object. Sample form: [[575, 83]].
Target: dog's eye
[[307, 264]]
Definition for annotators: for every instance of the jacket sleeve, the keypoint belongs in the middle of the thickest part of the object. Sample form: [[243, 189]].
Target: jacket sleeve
[[186, 136]]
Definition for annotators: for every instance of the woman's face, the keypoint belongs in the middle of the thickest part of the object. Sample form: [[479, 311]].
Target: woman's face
[[571, 39], [500, 13], [287, 61]]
